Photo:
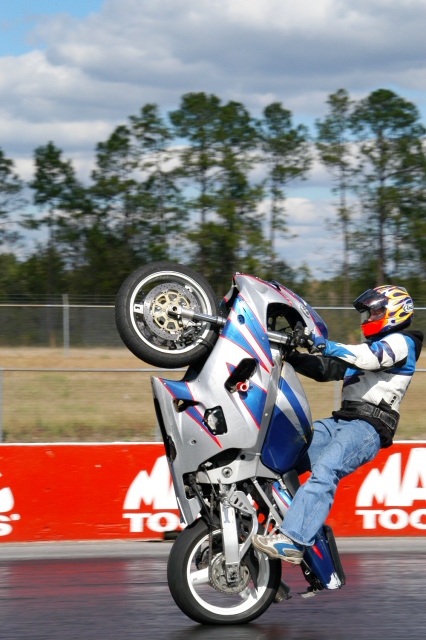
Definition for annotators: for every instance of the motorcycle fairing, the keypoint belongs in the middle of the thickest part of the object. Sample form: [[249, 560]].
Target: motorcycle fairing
[[246, 330], [253, 399], [181, 391], [192, 441], [321, 327], [291, 423], [277, 292], [248, 419]]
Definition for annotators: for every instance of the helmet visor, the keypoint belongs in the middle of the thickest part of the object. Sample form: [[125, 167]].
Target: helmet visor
[[370, 299]]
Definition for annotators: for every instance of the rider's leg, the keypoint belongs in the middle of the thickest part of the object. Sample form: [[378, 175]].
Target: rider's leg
[[322, 434], [281, 545], [350, 444]]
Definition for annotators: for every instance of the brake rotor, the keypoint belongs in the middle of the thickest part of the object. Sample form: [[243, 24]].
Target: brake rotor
[[155, 309], [218, 577]]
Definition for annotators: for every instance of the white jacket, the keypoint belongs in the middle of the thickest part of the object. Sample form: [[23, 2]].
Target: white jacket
[[377, 371]]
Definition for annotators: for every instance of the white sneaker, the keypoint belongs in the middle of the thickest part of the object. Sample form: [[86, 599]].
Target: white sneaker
[[279, 546]]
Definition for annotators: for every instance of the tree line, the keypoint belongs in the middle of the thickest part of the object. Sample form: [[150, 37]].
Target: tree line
[[207, 185]]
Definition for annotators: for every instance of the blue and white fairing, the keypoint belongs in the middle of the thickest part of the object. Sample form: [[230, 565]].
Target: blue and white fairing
[[308, 315], [290, 429], [269, 425]]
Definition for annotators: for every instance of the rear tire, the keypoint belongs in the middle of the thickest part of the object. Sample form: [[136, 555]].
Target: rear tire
[[207, 605], [144, 324]]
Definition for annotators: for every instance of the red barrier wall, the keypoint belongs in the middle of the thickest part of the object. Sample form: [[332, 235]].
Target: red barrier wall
[[107, 491]]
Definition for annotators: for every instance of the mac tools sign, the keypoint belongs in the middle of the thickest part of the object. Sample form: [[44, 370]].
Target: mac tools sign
[[385, 497], [150, 503], [124, 490], [85, 492], [400, 494]]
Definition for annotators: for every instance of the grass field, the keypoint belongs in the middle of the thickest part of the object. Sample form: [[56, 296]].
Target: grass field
[[68, 406]]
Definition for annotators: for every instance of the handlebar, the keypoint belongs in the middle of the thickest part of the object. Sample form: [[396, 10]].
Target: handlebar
[[218, 321]]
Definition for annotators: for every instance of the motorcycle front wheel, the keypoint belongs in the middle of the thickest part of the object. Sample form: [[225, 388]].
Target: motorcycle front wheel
[[207, 598], [145, 324]]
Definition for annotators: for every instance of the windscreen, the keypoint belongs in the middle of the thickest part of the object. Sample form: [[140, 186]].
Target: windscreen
[[307, 310]]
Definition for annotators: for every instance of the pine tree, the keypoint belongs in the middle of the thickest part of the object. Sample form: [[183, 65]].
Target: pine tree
[[55, 186], [160, 195], [10, 199], [197, 122], [286, 151], [391, 158], [238, 221], [335, 149]]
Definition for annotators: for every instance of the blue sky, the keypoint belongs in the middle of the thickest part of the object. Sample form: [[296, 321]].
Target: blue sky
[[70, 71], [17, 18]]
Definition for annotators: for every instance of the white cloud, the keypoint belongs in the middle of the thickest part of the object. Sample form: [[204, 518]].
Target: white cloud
[[308, 239], [103, 67], [307, 214], [134, 41], [89, 74]]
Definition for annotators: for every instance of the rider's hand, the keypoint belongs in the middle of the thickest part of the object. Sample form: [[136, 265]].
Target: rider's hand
[[318, 346], [303, 337]]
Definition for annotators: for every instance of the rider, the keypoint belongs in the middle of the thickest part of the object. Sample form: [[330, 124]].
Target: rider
[[375, 375]]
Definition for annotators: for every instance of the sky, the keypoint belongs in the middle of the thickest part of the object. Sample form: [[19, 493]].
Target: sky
[[71, 70]]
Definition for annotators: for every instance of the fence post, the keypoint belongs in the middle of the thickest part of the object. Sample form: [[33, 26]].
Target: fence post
[[66, 323]]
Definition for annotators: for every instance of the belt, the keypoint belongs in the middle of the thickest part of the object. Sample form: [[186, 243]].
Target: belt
[[371, 411]]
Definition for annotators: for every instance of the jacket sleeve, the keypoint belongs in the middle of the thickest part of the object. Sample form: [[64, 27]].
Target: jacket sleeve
[[374, 356], [316, 367]]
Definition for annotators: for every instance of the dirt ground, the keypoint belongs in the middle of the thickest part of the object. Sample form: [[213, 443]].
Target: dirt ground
[[67, 406]]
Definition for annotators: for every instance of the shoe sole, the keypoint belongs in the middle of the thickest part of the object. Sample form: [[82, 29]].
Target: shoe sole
[[273, 553]]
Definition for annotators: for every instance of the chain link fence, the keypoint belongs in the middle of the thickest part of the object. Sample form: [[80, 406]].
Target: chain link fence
[[80, 325], [65, 376], [56, 325]]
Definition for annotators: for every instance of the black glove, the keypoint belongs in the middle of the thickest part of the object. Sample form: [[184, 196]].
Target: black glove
[[303, 337]]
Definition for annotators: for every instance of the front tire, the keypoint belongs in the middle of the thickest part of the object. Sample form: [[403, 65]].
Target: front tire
[[145, 325], [196, 597]]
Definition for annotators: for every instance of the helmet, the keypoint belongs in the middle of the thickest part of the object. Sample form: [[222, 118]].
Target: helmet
[[389, 308]]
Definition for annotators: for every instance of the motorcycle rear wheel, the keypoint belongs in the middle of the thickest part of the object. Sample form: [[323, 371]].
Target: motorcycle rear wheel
[[199, 600], [146, 327]]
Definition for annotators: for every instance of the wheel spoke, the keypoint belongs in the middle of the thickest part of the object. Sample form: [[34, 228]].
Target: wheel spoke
[[244, 595], [200, 577]]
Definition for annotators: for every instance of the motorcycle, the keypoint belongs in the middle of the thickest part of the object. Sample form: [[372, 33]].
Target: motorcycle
[[234, 429]]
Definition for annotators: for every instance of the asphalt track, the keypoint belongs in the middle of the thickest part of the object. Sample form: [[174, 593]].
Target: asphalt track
[[119, 590]]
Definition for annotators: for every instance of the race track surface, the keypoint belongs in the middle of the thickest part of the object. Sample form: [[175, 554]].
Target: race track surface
[[55, 593]]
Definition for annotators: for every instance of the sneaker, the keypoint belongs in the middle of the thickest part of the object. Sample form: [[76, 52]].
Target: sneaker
[[279, 546]]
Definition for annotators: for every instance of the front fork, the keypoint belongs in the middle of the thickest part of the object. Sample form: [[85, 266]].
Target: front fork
[[230, 541], [232, 501]]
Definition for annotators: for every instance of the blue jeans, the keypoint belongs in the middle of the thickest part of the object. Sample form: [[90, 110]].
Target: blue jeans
[[337, 449]]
